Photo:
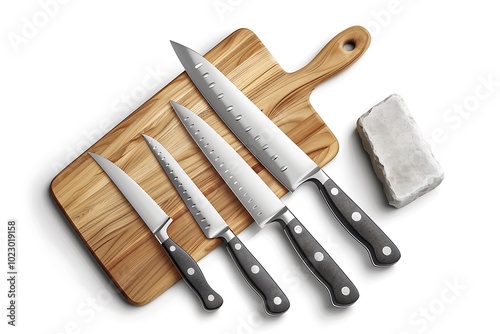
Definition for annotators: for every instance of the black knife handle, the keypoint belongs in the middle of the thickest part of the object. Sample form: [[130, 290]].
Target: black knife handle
[[342, 291], [383, 252], [192, 275], [275, 301]]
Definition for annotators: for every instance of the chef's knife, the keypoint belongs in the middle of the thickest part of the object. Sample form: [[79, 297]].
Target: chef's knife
[[214, 226], [158, 221], [280, 155], [265, 207]]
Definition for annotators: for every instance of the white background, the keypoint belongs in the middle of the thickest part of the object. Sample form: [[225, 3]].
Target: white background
[[82, 68]]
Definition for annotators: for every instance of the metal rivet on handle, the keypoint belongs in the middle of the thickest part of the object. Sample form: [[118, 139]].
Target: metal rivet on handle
[[318, 256], [386, 250], [277, 301], [356, 216], [190, 271], [345, 291]]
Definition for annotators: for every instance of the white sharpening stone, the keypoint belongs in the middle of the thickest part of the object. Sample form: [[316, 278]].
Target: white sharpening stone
[[400, 156]]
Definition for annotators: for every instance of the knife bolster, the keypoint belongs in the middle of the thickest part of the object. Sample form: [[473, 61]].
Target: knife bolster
[[319, 178], [161, 231], [227, 235]]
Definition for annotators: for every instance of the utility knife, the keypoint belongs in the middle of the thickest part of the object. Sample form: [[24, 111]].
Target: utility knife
[[214, 226]]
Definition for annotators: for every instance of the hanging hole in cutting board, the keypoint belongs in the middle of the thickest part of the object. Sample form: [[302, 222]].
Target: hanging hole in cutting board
[[349, 46]]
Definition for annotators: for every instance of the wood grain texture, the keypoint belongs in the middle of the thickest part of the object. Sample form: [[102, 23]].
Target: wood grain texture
[[107, 223]]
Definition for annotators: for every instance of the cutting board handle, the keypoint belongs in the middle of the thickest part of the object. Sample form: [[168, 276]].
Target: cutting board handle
[[340, 52]]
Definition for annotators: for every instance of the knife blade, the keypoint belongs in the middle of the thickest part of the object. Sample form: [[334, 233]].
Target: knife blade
[[214, 226], [158, 221], [265, 207], [280, 155]]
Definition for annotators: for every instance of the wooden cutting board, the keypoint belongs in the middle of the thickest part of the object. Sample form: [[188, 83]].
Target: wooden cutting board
[[114, 233]]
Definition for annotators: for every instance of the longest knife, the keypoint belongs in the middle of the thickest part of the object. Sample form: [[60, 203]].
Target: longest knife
[[280, 155], [265, 207], [158, 221], [214, 226]]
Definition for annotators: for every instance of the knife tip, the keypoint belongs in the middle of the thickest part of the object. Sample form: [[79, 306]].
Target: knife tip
[[149, 140], [174, 105], [182, 51], [97, 158], [176, 46], [180, 110]]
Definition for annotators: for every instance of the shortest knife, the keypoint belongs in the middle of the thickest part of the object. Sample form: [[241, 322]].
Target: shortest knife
[[214, 226], [158, 222]]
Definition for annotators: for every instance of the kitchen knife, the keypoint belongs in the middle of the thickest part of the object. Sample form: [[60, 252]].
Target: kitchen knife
[[158, 221], [214, 226], [265, 207], [279, 154]]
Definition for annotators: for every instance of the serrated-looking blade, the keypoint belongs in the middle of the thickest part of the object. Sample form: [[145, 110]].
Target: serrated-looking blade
[[273, 148], [146, 207], [262, 204], [209, 220]]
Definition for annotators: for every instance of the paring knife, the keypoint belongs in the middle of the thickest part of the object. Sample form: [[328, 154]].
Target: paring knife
[[280, 155], [158, 221], [214, 226], [265, 207]]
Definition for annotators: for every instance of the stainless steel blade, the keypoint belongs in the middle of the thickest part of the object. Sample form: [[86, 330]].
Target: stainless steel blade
[[280, 155], [146, 207], [266, 207], [273, 148], [262, 204], [209, 220], [213, 225], [158, 221]]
